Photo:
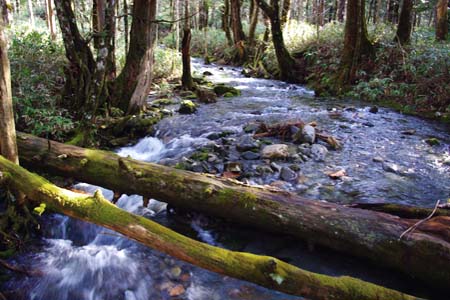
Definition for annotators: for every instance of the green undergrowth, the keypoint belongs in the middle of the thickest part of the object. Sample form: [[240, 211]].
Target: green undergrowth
[[37, 78]]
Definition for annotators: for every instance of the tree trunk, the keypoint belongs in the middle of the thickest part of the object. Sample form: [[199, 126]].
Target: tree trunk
[[30, 12], [204, 14], [376, 11], [286, 63], [132, 86], [8, 146], [51, 22], [341, 10], [441, 20], [263, 270], [186, 78], [403, 34], [238, 33], [362, 233], [285, 12], [356, 43], [125, 24], [253, 22], [226, 22], [5, 12]]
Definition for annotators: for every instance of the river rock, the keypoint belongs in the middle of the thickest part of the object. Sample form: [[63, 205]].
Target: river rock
[[246, 143], [207, 73], [287, 174], [394, 168], [373, 109], [206, 95], [222, 89], [187, 107], [251, 127], [446, 161], [250, 155], [306, 135], [263, 170], [319, 152], [234, 167], [276, 167], [276, 151]]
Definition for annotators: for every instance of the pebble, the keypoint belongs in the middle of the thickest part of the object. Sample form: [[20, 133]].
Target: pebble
[[319, 152], [287, 174], [250, 155]]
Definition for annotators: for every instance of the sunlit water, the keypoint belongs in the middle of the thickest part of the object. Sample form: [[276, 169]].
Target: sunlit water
[[83, 261]]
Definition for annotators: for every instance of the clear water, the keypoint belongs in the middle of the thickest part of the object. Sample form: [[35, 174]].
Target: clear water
[[83, 261]]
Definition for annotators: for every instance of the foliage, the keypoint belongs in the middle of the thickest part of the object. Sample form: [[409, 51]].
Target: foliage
[[37, 77], [167, 63]]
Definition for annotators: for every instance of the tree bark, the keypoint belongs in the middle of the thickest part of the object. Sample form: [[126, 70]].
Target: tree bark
[[125, 24], [403, 35], [8, 146], [441, 20], [285, 12], [31, 14], [132, 86], [186, 78], [51, 22], [253, 22], [4, 12], [263, 270], [362, 233], [238, 33], [226, 22], [356, 43], [341, 11], [286, 63]]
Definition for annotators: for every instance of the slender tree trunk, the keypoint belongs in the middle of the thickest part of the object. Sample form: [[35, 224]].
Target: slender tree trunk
[[186, 78], [132, 86], [321, 12], [30, 12], [356, 42], [442, 20], [403, 34], [226, 22], [204, 14], [8, 146], [253, 22], [376, 11], [341, 11], [5, 12], [285, 12], [238, 33], [51, 22], [125, 24]]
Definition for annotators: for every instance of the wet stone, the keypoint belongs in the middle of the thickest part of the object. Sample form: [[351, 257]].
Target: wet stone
[[246, 143], [249, 155], [287, 174], [374, 109], [276, 151], [319, 152]]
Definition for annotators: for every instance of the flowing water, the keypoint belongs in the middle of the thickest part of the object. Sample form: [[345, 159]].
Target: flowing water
[[83, 261]]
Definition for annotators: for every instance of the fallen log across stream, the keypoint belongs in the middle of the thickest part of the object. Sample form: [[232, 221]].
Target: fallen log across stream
[[263, 270], [423, 254]]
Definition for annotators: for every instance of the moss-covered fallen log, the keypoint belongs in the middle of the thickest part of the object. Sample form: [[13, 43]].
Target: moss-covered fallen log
[[358, 232], [403, 211], [263, 270]]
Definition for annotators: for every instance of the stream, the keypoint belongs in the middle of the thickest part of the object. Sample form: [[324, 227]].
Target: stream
[[385, 157]]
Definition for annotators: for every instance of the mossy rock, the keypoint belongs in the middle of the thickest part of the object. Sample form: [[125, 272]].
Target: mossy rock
[[187, 107], [222, 90], [200, 80], [228, 95], [162, 102], [433, 142]]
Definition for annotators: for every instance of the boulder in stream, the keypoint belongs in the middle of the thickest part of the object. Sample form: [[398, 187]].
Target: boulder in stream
[[276, 151], [319, 152], [306, 135], [187, 107]]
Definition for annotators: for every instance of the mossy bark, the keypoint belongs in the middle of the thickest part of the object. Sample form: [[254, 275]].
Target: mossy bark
[[263, 270], [441, 20], [359, 232], [286, 63], [356, 44]]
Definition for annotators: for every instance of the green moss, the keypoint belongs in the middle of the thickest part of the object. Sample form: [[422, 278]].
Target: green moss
[[76, 140], [433, 142], [222, 89], [187, 107], [201, 155], [228, 95]]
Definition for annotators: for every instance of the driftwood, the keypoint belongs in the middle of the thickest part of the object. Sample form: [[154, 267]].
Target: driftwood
[[283, 131], [263, 270], [358, 232]]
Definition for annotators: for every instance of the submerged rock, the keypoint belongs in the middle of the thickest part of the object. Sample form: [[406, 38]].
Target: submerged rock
[[287, 174], [206, 95], [246, 143], [306, 135], [250, 155], [276, 151], [319, 152], [222, 89], [187, 107], [432, 141], [374, 109]]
